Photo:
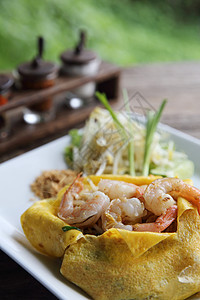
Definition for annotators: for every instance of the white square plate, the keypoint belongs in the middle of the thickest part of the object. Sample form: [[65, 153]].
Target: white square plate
[[17, 174]]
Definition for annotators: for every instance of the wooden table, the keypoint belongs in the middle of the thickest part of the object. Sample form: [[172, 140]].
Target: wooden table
[[180, 84], [177, 82]]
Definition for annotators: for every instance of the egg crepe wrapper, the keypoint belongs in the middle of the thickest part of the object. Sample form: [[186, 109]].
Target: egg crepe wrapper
[[121, 264], [43, 228]]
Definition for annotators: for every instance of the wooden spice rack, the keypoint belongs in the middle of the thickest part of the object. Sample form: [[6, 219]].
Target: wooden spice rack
[[24, 137]]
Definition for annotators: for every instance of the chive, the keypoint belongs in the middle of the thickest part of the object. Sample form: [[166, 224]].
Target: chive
[[102, 98], [131, 144], [151, 125], [67, 228]]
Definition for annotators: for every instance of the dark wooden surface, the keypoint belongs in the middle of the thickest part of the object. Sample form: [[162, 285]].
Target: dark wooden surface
[[23, 135], [62, 84], [180, 84]]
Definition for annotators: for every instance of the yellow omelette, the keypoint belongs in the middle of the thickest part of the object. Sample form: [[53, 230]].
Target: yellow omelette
[[121, 264]]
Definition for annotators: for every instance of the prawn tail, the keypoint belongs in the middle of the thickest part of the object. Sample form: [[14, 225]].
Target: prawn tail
[[66, 205], [196, 202], [198, 205], [192, 194], [161, 222]]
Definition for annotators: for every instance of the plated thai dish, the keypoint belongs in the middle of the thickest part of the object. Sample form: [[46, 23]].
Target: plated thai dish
[[120, 235]]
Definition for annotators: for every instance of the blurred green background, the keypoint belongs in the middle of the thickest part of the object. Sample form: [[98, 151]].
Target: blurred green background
[[122, 31]]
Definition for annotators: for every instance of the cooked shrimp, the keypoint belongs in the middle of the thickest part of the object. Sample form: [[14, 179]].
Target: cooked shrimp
[[82, 208], [115, 189], [159, 198], [163, 193], [122, 213], [161, 222]]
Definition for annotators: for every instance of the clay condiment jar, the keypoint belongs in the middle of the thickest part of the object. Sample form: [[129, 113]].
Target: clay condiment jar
[[38, 74], [5, 88], [80, 62]]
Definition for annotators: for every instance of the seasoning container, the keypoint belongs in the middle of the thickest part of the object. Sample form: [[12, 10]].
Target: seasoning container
[[81, 62], [5, 87], [38, 74]]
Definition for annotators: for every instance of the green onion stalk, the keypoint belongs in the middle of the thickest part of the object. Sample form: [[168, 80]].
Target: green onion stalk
[[151, 126]]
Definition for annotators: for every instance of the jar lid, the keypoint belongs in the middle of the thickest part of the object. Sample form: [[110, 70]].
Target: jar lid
[[69, 57], [79, 55], [37, 68], [40, 70], [5, 82]]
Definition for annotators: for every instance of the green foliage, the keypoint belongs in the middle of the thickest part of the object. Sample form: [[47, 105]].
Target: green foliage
[[122, 31]]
